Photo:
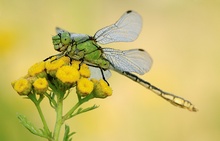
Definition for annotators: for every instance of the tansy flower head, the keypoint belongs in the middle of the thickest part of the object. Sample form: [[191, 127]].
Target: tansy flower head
[[54, 65], [84, 86], [22, 86], [53, 58], [37, 70], [65, 59], [40, 85], [68, 74], [102, 89], [75, 64], [84, 71]]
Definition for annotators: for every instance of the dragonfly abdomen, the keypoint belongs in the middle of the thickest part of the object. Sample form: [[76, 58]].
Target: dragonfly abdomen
[[173, 99]]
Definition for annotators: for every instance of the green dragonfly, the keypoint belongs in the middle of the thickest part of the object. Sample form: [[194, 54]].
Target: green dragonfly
[[101, 60]]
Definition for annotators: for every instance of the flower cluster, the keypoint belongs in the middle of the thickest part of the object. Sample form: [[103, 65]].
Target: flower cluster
[[61, 74]]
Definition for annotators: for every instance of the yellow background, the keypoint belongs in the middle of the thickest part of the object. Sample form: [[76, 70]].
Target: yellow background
[[182, 37]]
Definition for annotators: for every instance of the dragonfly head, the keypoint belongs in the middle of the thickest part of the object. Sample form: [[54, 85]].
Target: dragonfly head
[[61, 41]]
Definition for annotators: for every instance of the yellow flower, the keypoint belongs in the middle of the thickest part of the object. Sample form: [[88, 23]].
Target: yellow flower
[[102, 90], [22, 86], [95, 81], [68, 74], [53, 58], [75, 64], [105, 87], [84, 71], [40, 85], [84, 86], [37, 70], [65, 59], [53, 65]]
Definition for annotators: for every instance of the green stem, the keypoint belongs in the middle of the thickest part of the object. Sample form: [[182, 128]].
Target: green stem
[[43, 120], [37, 104], [80, 102], [59, 120], [68, 114]]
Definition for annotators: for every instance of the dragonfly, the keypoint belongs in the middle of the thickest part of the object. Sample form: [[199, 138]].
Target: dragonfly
[[101, 60]]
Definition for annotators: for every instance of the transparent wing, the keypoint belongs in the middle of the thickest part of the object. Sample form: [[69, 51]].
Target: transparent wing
[[96, 73], [75, 36], [59, 30], [126, 29], [134, 60]]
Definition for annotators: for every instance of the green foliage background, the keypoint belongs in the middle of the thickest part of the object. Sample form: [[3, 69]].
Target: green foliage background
[[181, 36]]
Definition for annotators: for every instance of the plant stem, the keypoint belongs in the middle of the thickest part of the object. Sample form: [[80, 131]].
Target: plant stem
[[43, 120], [59, 120], [37, 104], [80, 102]]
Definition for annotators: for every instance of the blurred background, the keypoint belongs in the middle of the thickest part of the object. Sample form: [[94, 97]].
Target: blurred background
[[182, 37]]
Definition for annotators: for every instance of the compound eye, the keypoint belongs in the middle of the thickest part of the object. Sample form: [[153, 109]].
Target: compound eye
[[65, 38]]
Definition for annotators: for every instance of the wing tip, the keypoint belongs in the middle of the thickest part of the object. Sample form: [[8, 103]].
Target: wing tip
[[140, 49], [129, 11]]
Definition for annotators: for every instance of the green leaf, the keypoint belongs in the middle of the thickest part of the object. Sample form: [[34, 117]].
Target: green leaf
[[28, 125], [67, 134]]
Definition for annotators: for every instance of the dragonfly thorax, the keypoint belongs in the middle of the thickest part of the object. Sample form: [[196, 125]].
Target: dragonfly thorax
[[81, 47]]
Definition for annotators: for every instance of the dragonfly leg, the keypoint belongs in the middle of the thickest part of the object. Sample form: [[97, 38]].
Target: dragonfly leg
[[81, 62], [57, 55], [48, 58], [103, 76]]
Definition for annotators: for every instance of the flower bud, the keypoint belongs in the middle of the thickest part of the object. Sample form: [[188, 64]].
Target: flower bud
[[84, 71], [22, 86], [37, 70], [40, 85], [84, 86], [101, 90], [75, 64], [68, 74], [53, 65]]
